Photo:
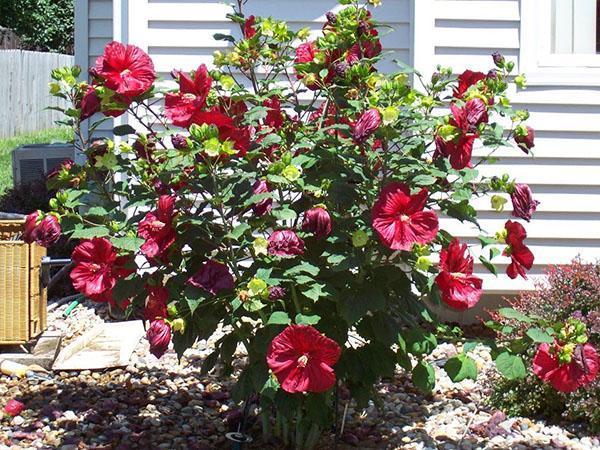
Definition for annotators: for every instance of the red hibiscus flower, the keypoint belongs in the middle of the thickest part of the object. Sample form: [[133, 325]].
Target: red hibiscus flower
[[126, 69], [305, 54], [193, 90], [159, 337], [302, 359], [90, 104], [568, 377], [458, 151], [467, 79], [365, 48], [97, 269], [520, 255], [366, 125], [459, 287], [156, 303], [399, 219], [317, 221], [523, 203], [249, 30], [526, 142], [263, 206], [275, 116], [213, 277], [227, 130], [285, 243], [157, 228]]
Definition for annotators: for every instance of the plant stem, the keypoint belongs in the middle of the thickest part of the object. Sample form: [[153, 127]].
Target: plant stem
[[296, 300]]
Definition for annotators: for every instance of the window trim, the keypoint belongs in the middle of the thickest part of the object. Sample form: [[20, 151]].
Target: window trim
[[542, 67]]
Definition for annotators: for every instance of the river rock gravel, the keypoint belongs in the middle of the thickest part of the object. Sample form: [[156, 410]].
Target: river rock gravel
[[161, 404]]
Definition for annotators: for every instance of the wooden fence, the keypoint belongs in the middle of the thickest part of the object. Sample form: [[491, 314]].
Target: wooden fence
[[24, 78]]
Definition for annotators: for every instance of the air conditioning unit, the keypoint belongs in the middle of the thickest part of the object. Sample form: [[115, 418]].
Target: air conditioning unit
[[33, 162]]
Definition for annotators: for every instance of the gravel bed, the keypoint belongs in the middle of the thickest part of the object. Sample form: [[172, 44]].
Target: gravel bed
[[160, 404]]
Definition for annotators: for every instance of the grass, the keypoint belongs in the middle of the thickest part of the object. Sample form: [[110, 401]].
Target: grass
[[7, 145]]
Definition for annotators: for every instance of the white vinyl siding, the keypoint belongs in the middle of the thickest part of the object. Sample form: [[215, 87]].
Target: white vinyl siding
[[564, 174]]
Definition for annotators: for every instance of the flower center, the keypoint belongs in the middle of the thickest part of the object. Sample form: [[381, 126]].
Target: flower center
[[189, 96], [404, 218], [125, 72], [303, 361], [458, 275]]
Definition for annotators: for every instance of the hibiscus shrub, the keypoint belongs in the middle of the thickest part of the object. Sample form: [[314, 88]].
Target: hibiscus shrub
[[292, 194], [571, 292]]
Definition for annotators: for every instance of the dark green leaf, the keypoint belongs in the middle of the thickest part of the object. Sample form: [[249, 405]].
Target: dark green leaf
[[123, 130], [539, 336], [511, 366], [461, 367], [423, 376]]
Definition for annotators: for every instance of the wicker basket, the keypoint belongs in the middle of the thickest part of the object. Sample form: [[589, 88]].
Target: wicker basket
[[22, 297]]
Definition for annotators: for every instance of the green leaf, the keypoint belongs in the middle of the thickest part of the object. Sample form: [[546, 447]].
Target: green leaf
[[355, 305], [510, 366], [99, 211], [284, 214], [488, 265], [223, 37], [420, 342], [461, 367], [487, 240], [315, 291], [540, 336], [424, 180], [238, 231], [301, 319], [423, 376], [89, 233], [279, 318], [302, 267], [511, 313], [129, 243], [494, 251], [123, 130]]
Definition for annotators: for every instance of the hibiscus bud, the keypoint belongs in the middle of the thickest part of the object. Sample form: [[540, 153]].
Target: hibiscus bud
[[277, 293], [48, 231], [523, 203], [179, 142], [331, 17], [498, 59], [317, 221], [30, 226], [363, 28], [264, 205], [340, 68], [179, 325], [492, 74], [498, 203], [285, 243], [524, 137], [159, 337], [14, 408], [521, 81], [90, 104], [366, 125]]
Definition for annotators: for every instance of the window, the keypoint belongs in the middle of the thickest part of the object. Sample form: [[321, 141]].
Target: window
[[574, 26]]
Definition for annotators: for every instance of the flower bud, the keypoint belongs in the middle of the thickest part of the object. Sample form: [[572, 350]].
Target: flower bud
[[523, 203], [498, 59], [366, 125], [524, 137], [178, 325], [317, 221], [498, 203], [331, 17], [159, 337], [277, 293], [521, 81], [179, 142]]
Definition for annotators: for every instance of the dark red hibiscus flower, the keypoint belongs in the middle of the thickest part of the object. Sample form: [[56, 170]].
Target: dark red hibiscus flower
[[566, 377], [126, 69], [302, 359], [157, 228], [365, 48], [399, 219], [249, 30], [520, 255], [213, 277], [305, 54], [264, 205], [97, 269], [366, 125], [45, 232], [275, 116], [523, 203], [156, 303], [459, 287], [285, 243], [90, 104], [193, 90], [159, 337], [317, 221], [458, 150], [240, 136], [467, 79]]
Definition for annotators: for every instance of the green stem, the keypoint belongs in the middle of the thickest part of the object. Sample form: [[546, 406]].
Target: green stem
[[299, 430], [296, 300]]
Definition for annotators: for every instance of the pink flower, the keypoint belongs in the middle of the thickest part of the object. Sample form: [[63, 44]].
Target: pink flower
[[399, 220], [285, 243], [317, 221], [520, 255], [97, 269], [526, 142], [159, 337], [14, 407], [157, 228], [523, 203], [213, 277], [366, 125], [302, 359], [264, 205], [46, 232], [459, 287], [566, 377], [90, 104], [467, 79], [156, 304], [191, 98], [126, 69]]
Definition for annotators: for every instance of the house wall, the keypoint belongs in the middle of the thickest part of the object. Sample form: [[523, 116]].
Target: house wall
[[456, 33]]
